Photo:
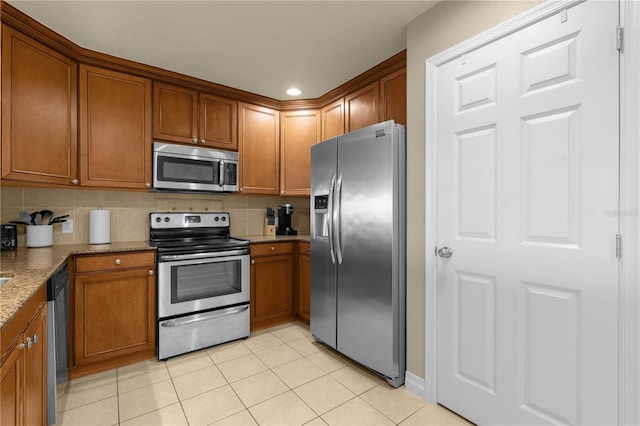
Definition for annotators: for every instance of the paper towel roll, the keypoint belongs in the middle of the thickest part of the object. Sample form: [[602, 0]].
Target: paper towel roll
[[100, 227]]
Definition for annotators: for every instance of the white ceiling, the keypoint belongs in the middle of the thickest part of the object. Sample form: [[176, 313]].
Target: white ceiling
[[263, 47]]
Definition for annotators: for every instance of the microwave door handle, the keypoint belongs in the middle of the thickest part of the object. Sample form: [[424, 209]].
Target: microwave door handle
[[221, 176]]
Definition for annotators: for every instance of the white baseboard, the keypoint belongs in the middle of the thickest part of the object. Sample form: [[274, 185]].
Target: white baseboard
[[415, 385]]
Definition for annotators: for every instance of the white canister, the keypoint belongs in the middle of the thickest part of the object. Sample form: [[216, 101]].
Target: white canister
[[100, 226], [39, 235]]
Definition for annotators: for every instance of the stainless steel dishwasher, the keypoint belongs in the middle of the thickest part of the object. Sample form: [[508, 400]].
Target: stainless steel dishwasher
[[57, 323]]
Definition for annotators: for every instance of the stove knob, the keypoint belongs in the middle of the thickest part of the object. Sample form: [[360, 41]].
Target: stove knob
[[217, 219], [158, 219], [224, 218], [166, 219]]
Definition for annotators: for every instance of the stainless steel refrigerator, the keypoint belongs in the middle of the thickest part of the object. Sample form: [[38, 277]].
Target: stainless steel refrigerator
[[358, 229]]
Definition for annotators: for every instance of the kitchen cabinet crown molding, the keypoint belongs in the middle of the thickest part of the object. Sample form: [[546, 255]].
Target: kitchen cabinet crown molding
[[22, 22]]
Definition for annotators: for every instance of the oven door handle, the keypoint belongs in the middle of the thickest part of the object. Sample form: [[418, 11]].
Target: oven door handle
[[204, 317], [172, 257]]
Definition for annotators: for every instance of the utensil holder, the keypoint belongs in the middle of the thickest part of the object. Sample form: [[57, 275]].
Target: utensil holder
[[39, 235]]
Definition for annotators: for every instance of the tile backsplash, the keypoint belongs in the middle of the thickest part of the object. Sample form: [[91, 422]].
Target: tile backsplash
[[130, 210]]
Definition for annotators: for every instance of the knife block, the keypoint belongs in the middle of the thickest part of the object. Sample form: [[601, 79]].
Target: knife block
[[269, 229]]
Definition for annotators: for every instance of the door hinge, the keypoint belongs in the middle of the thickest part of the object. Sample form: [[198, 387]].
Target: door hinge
[[619, 38], [618, 246]]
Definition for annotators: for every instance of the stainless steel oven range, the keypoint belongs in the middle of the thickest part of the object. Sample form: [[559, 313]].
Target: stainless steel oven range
[[203, 281]]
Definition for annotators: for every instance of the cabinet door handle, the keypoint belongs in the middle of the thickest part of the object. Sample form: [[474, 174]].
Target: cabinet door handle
[[150, 272], [117, 261], [203, 141], [35, 338], [253, 262], [29, 342], [194, 140], [308, 249], [148, 185], [273, 248], [75, 181]]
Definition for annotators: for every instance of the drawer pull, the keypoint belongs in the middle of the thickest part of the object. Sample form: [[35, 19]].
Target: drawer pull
[[150, 272], [117, 261], [273, 248]]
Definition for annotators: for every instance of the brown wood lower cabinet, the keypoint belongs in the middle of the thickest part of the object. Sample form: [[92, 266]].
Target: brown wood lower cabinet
[[23, 370], [304, 282], [114, 311], [271, 284]]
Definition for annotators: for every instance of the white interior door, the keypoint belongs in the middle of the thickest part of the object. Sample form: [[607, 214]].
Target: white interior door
[[527, 198]]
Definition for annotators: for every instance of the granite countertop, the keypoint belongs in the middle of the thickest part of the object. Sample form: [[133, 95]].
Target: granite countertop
[[29, 268], [275, 238]]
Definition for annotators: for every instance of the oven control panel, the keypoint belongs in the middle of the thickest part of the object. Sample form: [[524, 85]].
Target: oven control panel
[[189, 220]]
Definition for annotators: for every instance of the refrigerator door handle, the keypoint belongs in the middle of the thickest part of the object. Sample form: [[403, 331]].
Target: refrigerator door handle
[[332, 188], [338, 220]]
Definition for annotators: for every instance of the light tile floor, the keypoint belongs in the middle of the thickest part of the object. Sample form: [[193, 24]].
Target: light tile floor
[[278, 376]]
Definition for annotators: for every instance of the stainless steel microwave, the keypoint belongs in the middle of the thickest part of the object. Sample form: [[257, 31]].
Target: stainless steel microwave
[[181, 168]]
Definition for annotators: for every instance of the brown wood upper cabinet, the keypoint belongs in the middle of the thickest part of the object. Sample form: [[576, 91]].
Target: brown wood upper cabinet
[[259, 149], [299, 130], [186, 116], [333, 120], [115, 129], [361, 108], [39, 113], [382, 100], [393, 97]]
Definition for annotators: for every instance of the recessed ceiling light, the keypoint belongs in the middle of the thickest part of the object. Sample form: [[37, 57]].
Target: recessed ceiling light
[[294, 92]]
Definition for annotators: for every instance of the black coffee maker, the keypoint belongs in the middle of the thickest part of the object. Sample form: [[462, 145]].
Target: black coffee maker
[[284, 220]]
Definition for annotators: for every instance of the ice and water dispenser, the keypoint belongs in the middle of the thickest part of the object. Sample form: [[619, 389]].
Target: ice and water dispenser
[[321, 212]]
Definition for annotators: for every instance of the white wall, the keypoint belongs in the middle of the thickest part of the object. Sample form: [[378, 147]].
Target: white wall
[[441, 27]]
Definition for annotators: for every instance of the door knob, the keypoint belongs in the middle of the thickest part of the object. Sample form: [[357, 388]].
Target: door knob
[[445, 252]]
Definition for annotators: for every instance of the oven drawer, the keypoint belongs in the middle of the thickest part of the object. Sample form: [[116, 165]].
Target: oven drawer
[[268, 249], [192, 332], [103, 262]]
